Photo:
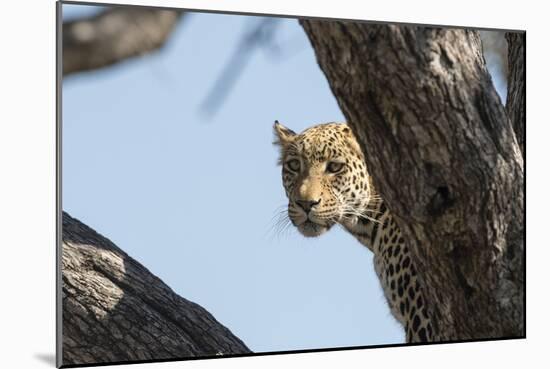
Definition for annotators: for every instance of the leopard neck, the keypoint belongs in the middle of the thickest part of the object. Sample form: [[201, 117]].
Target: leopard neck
[[367, 227]]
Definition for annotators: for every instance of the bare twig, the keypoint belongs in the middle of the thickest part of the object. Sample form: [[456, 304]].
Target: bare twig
[[260, 35]]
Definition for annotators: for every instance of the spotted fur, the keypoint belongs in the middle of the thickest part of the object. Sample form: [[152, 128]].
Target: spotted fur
[[326, 181]]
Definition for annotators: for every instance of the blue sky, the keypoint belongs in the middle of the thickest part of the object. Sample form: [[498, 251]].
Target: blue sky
[[192, 196]]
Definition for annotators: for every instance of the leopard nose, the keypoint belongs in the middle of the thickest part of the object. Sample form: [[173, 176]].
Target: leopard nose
[[307, 204]]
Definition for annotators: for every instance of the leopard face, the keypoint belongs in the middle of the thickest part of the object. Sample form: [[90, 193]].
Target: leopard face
[[324, 176]]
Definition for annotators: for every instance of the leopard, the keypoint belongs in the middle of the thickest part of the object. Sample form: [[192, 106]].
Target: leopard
[[327, 183]]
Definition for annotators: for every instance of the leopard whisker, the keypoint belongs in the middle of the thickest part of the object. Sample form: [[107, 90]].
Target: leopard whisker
[[348, 210], [280, 224]]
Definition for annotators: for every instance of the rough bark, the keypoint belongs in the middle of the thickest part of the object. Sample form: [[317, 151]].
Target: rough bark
[[115, 310], [515, 101], [113, 36], [443, 154]]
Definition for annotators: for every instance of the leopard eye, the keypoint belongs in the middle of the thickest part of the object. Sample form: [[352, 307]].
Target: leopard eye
[[293, 164], [334, 167]]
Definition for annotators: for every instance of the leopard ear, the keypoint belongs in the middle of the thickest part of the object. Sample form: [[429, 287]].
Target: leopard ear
[[352, 141], [283, 135]]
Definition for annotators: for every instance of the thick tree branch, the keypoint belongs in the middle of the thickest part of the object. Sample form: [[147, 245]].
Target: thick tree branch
[[113, 36], [443, 155], [115, 310], [515, 104]]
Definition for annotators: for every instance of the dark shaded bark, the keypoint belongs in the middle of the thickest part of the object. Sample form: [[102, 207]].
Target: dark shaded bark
[[515, 101], [115, 310], [114, 35], [443, 155]]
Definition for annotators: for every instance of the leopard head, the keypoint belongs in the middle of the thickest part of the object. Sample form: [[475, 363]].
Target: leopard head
[[324, 176]]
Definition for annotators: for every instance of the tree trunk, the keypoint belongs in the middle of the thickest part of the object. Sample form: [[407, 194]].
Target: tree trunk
[[515, 101], [115, 310], [444, 156], [114, 35]]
